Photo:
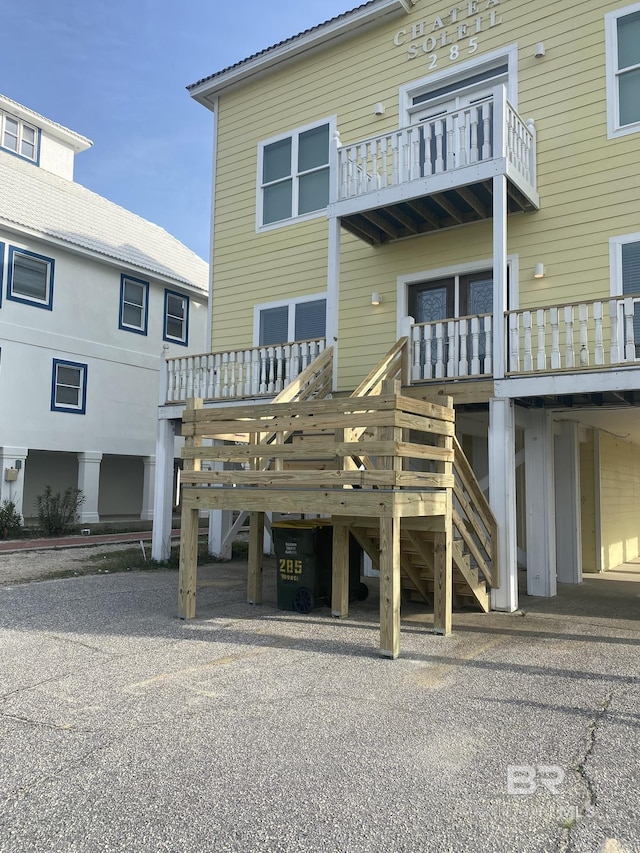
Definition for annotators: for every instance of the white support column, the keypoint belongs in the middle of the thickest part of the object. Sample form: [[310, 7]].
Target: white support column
[[267, 540], [499, 273], [89, 485], [502, 497], [163, 492], [540, 504], [12, 473], [148, 484], [568, 515], [220, 521]]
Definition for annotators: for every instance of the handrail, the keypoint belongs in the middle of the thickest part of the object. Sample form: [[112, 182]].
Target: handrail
[[383, 370], [474, 519]]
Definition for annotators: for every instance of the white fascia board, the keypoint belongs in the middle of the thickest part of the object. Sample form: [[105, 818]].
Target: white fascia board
[[206, 91], [613, 379], [120, 263], [70, 138]]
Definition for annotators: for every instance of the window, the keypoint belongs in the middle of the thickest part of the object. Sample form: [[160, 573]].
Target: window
[[134, 305], [176, 317], [30, 278], [622, 30], [19, 138], [298, 320], [69, 387], [625, 281], [293, 175]]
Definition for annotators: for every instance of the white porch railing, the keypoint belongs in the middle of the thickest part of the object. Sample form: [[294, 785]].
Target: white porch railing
[[459, 138], [452, 348], [574, 336], [256, 372]]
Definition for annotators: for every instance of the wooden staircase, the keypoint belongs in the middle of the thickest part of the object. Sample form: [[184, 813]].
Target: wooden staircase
[[473, 547], [385, 466]]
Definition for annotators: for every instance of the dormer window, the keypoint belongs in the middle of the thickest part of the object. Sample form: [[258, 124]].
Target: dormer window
[[18, 137]]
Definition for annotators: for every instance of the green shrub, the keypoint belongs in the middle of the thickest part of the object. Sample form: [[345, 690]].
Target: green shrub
[[10, 520], [56, 513]]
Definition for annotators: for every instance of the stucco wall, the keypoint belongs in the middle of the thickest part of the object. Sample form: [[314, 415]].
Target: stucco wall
[[122, 366]]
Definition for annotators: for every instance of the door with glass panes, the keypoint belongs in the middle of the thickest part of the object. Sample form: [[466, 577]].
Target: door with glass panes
[[456, 121], [454, 298]]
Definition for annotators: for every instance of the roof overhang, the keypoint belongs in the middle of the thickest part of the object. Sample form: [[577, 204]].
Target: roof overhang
[[69, 137], [344, 26]]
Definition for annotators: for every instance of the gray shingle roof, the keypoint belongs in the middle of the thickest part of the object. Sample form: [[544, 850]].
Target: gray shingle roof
[[63, 210]]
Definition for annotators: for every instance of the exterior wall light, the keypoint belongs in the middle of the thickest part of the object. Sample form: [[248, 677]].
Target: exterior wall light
[[379, 109], [376, 299], [538, 271], [539, 50]]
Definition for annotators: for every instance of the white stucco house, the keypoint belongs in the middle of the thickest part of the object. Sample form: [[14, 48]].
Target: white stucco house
[[92, 298]]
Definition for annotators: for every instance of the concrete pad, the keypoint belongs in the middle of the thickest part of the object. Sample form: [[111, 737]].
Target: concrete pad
[[253, 729]]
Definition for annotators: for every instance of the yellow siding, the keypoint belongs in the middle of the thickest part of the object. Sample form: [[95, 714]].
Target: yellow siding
[[620, 498], [583, 204]]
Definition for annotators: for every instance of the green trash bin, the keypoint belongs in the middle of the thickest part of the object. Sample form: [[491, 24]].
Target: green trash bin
[[304, 562], [303, 556]]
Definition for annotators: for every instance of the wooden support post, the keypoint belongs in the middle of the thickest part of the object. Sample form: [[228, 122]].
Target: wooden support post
[[443, 575], [188, 572], [390, 587], [340, 572], [254, 576]]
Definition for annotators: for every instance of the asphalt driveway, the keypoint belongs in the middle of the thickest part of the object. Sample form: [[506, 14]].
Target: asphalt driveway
[[251, 729]]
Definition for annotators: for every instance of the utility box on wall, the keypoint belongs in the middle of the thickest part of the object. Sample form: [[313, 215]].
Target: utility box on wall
[[10, 475]]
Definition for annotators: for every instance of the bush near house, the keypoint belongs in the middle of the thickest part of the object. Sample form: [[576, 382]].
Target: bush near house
[[58, 512], [10, 520]]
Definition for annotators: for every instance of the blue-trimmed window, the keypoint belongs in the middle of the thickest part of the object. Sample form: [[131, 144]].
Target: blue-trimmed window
[[134, 305], [19, 138], [69, 387], [176, 317], [30, 278]]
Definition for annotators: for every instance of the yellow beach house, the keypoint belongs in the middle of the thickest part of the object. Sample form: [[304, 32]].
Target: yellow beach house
[[458, 180]]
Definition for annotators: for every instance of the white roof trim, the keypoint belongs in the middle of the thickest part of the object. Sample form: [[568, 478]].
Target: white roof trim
[[344, 25]]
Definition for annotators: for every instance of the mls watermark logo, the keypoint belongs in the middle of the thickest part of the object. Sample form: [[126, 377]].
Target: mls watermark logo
[[523, 780]]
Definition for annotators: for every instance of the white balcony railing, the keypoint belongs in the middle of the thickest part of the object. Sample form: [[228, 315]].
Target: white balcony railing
[[575, 336], [459, 138], [452, 348], [256, 372]]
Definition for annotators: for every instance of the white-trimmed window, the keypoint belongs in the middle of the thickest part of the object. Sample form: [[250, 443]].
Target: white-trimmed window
[[622, 32], [176, 317], [134, 305], [30, 278], [69, 387], [625, 281], [293, 174], [18, 137], [295, 320]]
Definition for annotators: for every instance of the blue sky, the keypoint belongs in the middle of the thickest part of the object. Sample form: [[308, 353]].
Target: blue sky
[[116, 71]]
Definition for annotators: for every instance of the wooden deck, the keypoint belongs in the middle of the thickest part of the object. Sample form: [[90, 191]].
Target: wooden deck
[[385, 467]]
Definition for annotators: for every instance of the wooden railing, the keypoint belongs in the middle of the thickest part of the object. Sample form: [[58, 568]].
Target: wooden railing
[[473, 519], [452, 348], [579, 335], [400, 461], [255, 372], [459, 138]]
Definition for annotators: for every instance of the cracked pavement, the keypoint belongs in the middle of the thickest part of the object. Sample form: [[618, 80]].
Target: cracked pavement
[[251, 729]]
